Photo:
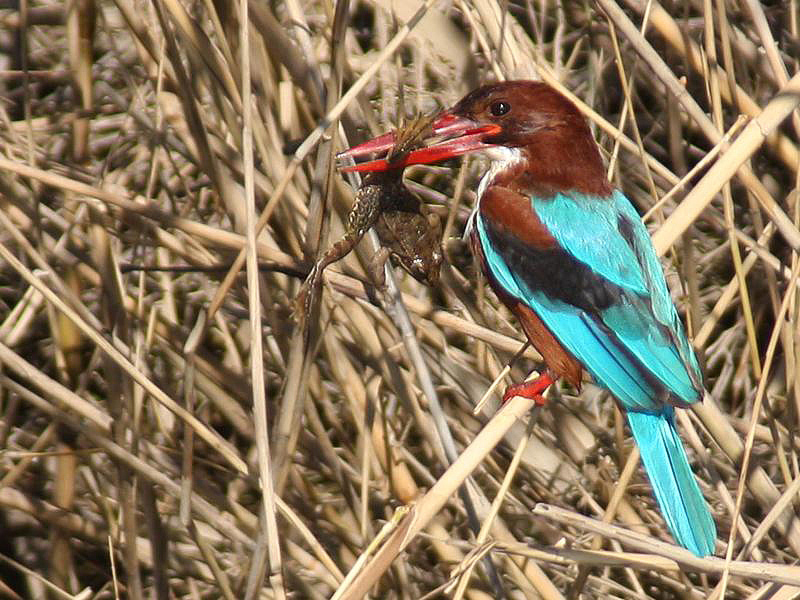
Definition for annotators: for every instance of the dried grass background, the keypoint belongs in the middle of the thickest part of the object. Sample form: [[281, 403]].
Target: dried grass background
[[133, 135]]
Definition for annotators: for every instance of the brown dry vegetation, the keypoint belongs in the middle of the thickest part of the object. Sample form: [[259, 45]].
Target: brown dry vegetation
[[132, 450]]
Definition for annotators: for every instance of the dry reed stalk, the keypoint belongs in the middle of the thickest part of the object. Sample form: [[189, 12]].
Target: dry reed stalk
[[128, 412]]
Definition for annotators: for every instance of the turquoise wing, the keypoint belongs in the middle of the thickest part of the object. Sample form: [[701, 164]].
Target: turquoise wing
[[613, 311]]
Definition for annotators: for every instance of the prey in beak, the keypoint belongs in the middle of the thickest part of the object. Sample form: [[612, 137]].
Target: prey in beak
[[444, 136], [408, 232]]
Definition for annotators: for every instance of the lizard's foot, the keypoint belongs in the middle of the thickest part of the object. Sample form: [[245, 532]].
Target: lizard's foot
[[309, 292], [377, 268]]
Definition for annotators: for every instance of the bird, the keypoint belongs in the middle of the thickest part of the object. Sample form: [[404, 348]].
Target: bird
[[570, 257]]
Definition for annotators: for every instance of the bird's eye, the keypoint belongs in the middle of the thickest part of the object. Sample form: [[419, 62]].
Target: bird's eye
[[499, 108]]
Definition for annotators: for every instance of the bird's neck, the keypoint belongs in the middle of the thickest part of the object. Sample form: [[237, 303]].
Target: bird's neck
[[546, 168], [543, 172], [505, 161]]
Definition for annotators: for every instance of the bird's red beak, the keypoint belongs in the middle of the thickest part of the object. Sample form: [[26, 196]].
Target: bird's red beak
[[450, 136]]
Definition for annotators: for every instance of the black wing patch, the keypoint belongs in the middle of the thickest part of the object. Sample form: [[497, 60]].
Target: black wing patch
[[555, 272]]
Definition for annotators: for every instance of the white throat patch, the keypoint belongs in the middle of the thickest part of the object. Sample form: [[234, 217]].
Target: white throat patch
[[502, 158]]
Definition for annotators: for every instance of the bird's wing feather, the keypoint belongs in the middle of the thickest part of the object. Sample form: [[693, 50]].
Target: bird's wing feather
[[619, 248], [602, 293]]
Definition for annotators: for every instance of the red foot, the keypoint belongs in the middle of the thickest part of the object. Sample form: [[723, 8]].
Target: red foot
[[530, 389]]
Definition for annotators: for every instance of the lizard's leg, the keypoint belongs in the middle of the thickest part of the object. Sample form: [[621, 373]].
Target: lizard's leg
[[362, 216]]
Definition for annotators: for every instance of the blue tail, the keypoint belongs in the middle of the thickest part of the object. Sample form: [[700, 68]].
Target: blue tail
[[681, 502]]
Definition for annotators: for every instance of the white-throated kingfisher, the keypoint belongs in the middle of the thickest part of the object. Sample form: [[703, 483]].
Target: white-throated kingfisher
[[571, 258]]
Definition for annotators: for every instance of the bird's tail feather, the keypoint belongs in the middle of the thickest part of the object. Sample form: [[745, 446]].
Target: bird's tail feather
[[674, 485]]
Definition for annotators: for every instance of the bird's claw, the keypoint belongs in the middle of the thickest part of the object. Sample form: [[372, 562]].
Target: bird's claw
[[532, 389]]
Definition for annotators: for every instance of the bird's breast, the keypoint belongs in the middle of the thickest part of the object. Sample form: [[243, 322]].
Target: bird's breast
[[514, 214]]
